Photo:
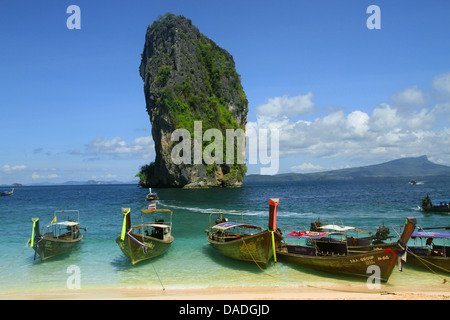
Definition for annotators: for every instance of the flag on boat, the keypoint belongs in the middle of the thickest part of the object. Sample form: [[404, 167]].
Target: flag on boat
[[54, 220], [152, 206]]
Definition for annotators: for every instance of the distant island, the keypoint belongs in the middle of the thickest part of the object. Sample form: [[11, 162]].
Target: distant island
[[71, 183], [411, 168]]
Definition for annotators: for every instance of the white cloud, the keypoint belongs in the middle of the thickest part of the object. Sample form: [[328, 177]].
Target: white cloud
[[35, 176], [142, 146], [358, 122], [307, 167], [409, 97], [9, 169], [388, 131], [442, 82], [289, 106]]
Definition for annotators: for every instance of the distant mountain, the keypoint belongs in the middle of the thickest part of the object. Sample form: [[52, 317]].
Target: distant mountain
[[411, 168]]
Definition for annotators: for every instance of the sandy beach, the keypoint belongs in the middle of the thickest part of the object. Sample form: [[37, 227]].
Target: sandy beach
[[437, 292]]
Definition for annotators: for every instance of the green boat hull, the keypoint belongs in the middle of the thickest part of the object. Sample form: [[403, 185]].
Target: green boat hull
[[51, 247], [255, 248], [136, 253]]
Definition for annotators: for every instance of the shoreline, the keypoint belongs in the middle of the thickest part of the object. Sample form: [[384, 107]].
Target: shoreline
[[439, 292]]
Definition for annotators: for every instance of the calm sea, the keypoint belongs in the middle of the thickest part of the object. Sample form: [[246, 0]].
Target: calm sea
[[191, 262]]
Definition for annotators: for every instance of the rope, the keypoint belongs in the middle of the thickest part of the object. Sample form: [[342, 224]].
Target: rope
[[248, 250], [145, 250], [15, 257], [425, 262], [164, 289]]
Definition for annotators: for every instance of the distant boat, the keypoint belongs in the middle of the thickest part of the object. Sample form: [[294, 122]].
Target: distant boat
[[436, 205], [58, 237], [151, 195], [240, 242], [148, 239], [430, 256], [337, 258], [7, 193], [413, 181]]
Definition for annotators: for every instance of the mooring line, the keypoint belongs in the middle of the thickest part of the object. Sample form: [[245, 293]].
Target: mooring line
[[164, 289], [424, 262], [15, 257], [248, 250]]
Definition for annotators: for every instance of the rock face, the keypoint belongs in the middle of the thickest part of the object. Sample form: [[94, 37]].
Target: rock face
[[188, 78]]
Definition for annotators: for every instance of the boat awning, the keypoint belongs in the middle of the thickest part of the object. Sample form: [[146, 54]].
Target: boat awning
[[426, 234], [154, 225], [66, 223], [229, 225], [307, 234], [155, 210], [342, 228], [441, 200], [337, 228]]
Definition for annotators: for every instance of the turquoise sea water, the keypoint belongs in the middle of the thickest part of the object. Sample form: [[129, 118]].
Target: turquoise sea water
[[191, 262]]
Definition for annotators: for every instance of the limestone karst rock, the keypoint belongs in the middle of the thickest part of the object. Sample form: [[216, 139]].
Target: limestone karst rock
[[187, 78]]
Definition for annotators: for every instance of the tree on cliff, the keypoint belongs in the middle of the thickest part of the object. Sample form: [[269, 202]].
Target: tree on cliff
[[187, 78]]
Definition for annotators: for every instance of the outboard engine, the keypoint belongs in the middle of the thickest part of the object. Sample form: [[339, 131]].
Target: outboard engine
[[221, 219], [381, 234], [315, 226]]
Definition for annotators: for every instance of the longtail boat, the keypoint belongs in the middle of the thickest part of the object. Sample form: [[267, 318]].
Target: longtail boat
[[335, 257], [435, 205], [148, 239], [430, 256], [238, 240], [7, 193], [151, 195], [352, 235], [59, 237]]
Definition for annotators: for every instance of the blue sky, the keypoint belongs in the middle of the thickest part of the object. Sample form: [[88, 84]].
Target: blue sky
[[72, 101]]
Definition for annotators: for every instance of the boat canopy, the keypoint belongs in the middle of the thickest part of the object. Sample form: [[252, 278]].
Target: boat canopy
[[66, 223], [154, 225], [155, 210], [307, 234], [342, 228], [337, 228], [425, 234], [228, 225], [441, 200]]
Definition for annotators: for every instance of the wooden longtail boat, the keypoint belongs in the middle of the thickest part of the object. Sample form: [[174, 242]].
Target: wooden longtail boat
[[151, 195], [147, 240], [235, 240], [430, 256], [352, 235], [58, 237], [436, 205], [336, 258], [7, 193]]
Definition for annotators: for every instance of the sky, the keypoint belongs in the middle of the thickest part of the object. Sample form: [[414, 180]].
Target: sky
[[338, 93]]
